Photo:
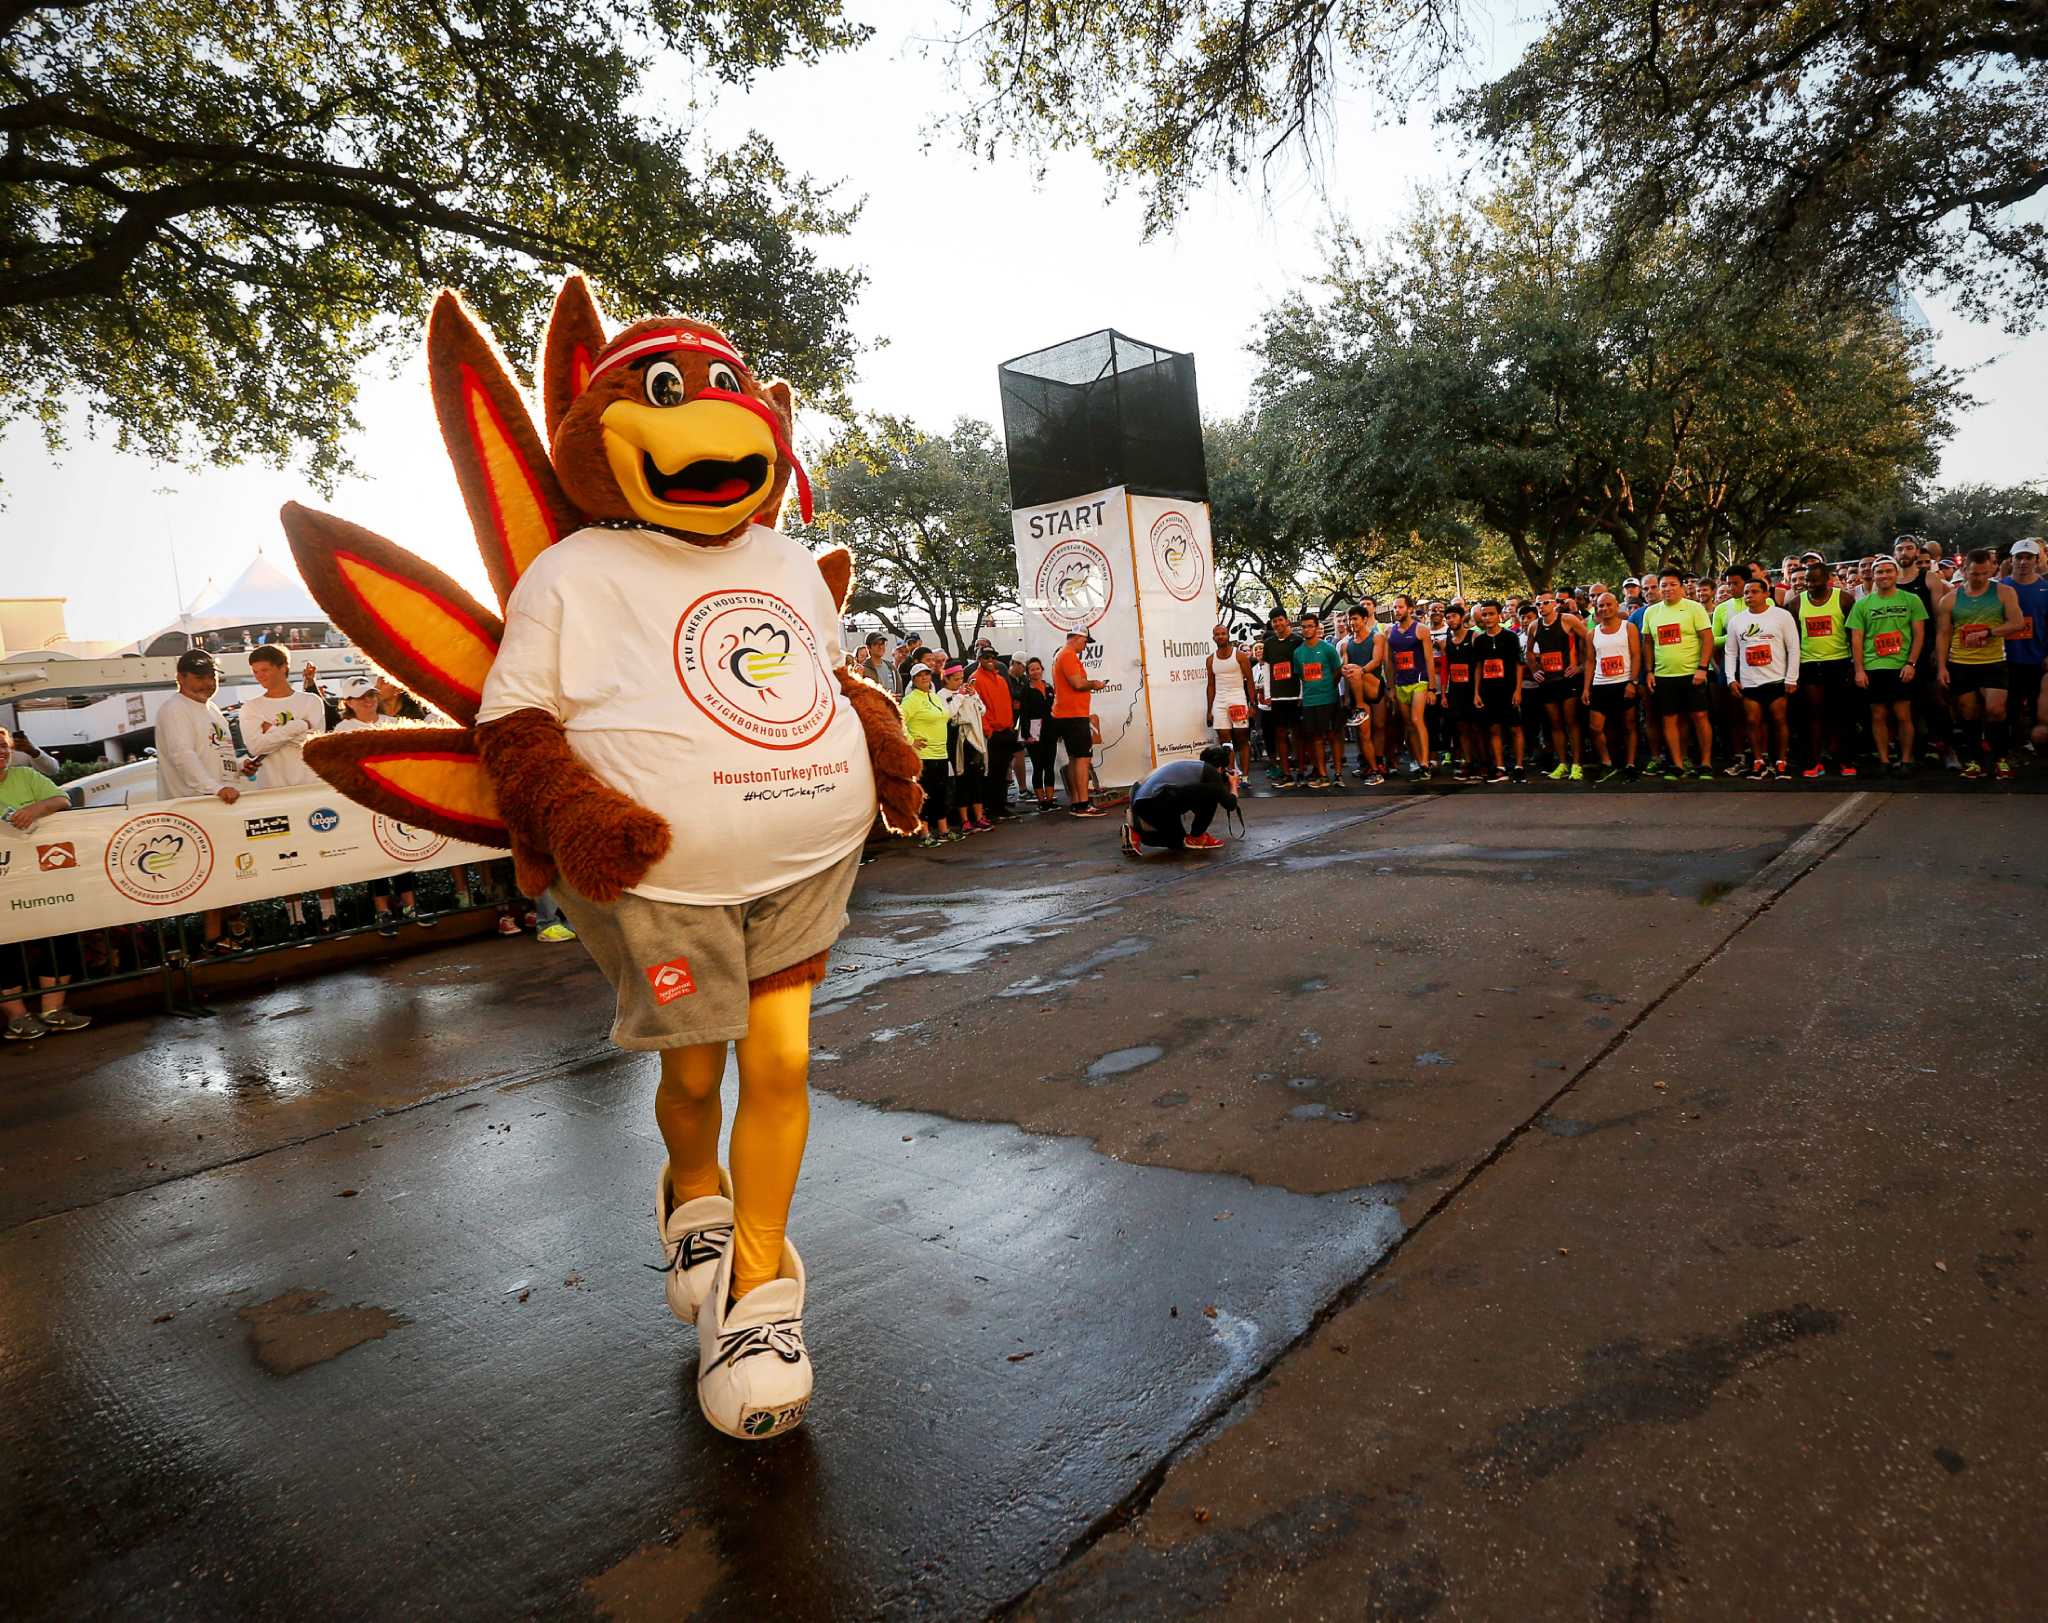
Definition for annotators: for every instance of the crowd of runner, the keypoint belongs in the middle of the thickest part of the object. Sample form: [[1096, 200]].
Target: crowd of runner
[[1882, 664]]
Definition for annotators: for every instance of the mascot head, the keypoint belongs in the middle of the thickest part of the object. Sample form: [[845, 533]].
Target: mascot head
[[665, 425]]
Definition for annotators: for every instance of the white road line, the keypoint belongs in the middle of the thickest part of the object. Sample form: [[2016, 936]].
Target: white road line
[[1803, 853]]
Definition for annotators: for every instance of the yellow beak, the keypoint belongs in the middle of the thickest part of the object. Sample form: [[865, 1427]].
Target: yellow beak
[[700, 467]]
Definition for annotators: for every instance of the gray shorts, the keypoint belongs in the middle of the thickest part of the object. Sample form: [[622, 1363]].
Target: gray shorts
[[681, 971]]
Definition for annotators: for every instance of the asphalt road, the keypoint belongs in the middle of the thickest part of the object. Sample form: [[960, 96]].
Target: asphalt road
[[1451, 1206]]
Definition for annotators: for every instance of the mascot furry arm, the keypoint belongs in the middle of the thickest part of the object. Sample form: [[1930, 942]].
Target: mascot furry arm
[[515, 782]]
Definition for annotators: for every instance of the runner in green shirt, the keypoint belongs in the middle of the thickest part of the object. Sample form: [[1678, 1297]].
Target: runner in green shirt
[[1887, 635], [1681, 638]]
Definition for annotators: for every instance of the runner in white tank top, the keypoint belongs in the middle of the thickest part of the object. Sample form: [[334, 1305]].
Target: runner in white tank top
[[1610, 695], [1230, 712]]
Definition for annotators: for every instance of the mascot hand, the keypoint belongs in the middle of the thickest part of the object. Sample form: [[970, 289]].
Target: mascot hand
[[560, 816], [604, 843], [898, 790]]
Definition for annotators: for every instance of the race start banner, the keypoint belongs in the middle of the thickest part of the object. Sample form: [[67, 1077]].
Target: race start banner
[[81, 870], [1137, 574]]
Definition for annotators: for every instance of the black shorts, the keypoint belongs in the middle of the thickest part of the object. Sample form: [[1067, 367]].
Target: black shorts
[[1318, 720], [1073, 732], [1286, 714], [1561, 692], [1887, 687], [1679, 696], [1975, 678], [1498, 707], [1827, 675], [1612, 698], [1764, 693]]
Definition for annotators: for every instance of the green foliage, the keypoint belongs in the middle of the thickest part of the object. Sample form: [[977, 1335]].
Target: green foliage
[[927, 518], [212, 211], [1824, 142], [1959, 516], [1484, 375]]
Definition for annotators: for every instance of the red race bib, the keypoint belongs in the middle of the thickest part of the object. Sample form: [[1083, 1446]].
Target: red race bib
[[1820, 625], [1613, 664], [1404, 659], [1976, 636], [1757, 653], [1889, 642], [1239, 715], [1313, 671], [1670, 634], [1552, 660], [1492, 669], [1282, 671], [1461, 673]]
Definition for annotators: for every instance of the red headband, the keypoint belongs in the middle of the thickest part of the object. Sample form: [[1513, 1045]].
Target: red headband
[[703, 343]]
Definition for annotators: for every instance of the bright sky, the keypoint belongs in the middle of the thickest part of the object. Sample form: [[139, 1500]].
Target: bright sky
[[968, 264]]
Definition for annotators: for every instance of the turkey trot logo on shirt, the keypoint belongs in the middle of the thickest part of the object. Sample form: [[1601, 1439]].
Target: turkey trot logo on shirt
[[750, 662], [159, 858], [401, 841], [1177, 553]]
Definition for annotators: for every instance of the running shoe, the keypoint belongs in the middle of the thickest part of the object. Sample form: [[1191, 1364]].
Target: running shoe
[[1631, 774], [1319, 783], [931, 840], [1902, 769], [2004, 770], [386, 925], [1607, 775], [1759, 771], [1576, 775], [1735, 769], [1498, 775], [561, 932], [982, 826], [1087, 808], [1375, 779], [64, 1020], [1847, 769], [1703, 774], [25, 1028], [507, 924], [1817, 770], [1202, 842], [1557, 773], [1416, 774], [695, 1234], [753, 1372], [1973, 771], [1518, 775], [1782, 772]]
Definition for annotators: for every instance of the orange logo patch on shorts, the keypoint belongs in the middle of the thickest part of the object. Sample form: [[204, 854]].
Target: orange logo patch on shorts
[[671, 980]]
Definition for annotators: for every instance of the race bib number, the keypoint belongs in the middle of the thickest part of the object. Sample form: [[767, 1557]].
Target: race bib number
[[1613, 664], [1283, 671], [1312, 671], [1887, 643], [1461, 673], [1976, 636], [1757, 653], [1404, 659], [1553, 660], [1670, 634], [1492, 670], [1239, 715], [1820, 625]]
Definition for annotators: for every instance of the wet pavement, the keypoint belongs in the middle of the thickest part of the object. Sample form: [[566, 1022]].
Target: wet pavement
[[1432, 1206]]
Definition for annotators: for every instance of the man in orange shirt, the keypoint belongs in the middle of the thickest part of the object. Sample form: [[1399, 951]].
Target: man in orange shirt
[[999, 722], [1071, 691]]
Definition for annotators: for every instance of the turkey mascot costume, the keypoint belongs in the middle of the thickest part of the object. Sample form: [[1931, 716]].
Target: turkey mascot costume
[[664, 729]]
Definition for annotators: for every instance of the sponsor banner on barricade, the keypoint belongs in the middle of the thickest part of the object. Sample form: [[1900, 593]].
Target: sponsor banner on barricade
[[1075, 573], [80, 870], [1176, 560]]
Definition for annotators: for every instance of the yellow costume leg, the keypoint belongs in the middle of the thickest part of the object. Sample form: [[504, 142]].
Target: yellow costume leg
[[687, 1111], [768, 1130]]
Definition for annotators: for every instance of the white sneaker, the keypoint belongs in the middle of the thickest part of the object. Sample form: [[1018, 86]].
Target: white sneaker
[[753, 1374], [695, 1235]]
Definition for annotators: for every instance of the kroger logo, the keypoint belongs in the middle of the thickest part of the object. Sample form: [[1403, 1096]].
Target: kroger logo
[[324, 820]]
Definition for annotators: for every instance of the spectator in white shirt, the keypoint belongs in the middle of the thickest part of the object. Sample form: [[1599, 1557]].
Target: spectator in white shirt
[[195, 755], [277, 725], [364, 705]]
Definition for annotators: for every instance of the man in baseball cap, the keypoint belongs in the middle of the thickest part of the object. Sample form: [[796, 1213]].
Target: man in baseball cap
[[2024, 655]]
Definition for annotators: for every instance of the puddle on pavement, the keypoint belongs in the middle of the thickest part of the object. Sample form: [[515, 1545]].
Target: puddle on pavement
[[1432, 1057], [292, 1332], [1118, 1061], [1445, 851], [1073, 974]]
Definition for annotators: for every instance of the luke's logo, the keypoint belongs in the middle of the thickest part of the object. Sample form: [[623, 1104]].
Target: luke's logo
[[61, 855], [671, 980]]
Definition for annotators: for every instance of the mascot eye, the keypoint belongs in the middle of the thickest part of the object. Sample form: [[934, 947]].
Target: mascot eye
[[664, 384], [724, 377]]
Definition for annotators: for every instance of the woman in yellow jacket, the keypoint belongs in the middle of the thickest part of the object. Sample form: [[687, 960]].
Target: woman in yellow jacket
[[924, 718]]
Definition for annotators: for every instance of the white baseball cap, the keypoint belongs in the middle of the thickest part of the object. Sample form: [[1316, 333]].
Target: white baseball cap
[[360, 687], [2031, 544]]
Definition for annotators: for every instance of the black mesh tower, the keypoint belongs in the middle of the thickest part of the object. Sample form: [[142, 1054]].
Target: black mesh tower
[[1102, 410]]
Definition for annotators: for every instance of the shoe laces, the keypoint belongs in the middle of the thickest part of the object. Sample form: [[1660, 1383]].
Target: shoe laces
[[698, 1246], [782, 1337]]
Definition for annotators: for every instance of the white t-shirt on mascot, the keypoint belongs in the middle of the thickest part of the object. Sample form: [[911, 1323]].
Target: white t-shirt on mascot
[[699, 681]]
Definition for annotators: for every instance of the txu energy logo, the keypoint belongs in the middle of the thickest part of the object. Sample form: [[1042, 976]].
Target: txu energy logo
[[159, 859]]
